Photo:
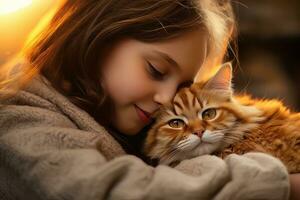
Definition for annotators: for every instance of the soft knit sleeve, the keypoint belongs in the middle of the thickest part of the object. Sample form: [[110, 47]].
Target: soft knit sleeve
[[43, 155]]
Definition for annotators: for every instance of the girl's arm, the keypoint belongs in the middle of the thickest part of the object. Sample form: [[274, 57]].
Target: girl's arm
[[51, 159], [295, 185]]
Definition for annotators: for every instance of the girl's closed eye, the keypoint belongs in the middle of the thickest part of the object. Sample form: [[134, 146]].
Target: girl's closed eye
[[154, 72]]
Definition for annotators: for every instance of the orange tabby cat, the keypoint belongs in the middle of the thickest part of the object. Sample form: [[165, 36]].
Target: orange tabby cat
[[206, 118]]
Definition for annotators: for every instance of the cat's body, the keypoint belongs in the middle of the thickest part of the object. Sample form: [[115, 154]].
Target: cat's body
[[206, 118], [277, 134]]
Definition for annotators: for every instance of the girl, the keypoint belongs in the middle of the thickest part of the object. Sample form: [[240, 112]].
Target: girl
[[72, 110]]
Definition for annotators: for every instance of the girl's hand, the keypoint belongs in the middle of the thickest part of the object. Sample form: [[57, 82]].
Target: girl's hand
[[295, 186]]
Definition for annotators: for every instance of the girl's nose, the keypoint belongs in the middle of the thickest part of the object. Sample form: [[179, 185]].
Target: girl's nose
[[165, 95]]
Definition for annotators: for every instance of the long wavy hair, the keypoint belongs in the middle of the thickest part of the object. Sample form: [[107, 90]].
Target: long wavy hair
[[69, 51]]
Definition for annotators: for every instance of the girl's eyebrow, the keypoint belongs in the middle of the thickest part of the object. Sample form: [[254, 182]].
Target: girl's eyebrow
[[170, 60]]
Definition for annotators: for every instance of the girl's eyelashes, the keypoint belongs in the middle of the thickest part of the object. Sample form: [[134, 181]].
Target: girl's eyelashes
[[154, 72]]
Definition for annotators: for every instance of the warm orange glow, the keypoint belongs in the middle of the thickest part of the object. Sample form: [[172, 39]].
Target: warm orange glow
[[42, 24], [17, 20], [9, 6]]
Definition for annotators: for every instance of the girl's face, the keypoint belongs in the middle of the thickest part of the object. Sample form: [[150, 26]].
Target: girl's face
[[139, 76]]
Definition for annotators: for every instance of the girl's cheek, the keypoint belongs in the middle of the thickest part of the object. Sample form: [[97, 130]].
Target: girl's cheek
[[141, 88], [131, 89]]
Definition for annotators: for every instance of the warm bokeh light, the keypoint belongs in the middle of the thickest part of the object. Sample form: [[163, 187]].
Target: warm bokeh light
[[17, 20], [9, 6]]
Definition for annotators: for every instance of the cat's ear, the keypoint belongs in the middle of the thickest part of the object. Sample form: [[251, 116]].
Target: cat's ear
[[222, 79]]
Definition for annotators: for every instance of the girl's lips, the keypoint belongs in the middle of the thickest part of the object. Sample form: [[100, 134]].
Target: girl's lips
[[143, 115]]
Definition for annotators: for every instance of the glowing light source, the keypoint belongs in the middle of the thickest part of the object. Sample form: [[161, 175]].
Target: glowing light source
[[9, 6]]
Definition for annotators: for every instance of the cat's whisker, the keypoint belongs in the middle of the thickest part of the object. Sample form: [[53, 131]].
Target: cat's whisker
[[184, 147], [182, 142], [189, 144], [173, 151], [222, 130], [212, 138], [229, 139], [169, 156]]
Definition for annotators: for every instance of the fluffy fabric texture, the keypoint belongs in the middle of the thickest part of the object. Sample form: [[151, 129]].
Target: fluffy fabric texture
[[50, 149]]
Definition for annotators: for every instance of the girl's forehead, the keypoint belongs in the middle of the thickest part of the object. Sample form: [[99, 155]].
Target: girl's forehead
[[187, 52]]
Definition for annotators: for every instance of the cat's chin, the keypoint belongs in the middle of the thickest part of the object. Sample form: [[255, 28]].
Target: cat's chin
[[204, 148], [198, 147]]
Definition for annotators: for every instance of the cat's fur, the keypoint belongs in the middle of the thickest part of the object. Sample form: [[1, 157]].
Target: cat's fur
[[241, 125]]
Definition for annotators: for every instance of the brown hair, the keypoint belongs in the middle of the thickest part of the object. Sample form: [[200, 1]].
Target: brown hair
[[69, 51]]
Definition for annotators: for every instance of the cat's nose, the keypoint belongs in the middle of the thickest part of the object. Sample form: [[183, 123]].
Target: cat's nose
[[199, 133]]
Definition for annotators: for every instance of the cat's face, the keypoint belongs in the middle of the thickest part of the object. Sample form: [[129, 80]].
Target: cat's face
[[194, 124], [201, 119]]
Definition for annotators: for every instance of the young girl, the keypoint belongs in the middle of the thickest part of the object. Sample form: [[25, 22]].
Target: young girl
[[72, 111]]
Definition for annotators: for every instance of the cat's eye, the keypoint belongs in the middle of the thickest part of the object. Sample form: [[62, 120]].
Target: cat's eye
[[209, 114], [176, 123]]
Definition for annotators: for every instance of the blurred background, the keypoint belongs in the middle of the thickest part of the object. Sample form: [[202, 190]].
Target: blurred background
[[17, 19], [268, 43], [269, 49]]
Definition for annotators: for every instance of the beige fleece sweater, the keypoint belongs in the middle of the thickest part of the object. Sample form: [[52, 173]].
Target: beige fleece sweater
[[48, 151]]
